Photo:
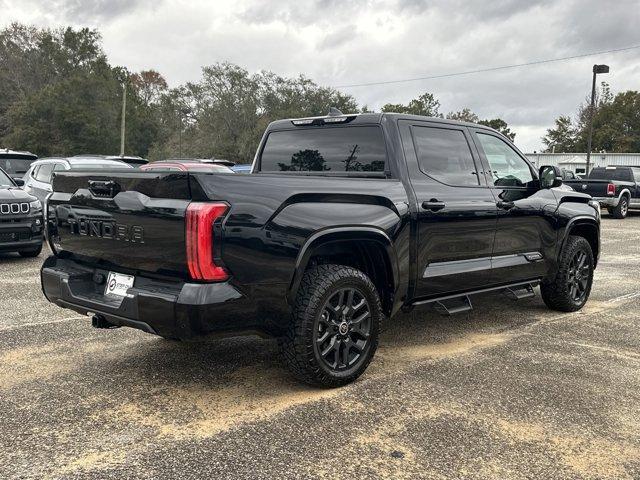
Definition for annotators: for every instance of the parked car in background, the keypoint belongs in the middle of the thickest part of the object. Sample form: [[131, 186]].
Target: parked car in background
[[242, 168], [132, 160], [37, 180], [616, 188], [569, 175], [346, 220], [184, 165], [21, 222], [15, 163]]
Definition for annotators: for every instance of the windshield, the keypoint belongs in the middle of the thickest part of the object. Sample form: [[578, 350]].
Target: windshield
[[15, 166], [5, 181]]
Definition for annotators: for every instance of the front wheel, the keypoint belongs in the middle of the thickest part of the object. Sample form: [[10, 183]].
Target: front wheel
[[334, 332], [569, 290]]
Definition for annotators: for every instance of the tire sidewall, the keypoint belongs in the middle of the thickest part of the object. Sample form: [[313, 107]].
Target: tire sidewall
[[581, 245], [624, 206], [367, 290]]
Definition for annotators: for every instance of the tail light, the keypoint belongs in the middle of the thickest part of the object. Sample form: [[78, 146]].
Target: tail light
[[200, 240], [611, 189]]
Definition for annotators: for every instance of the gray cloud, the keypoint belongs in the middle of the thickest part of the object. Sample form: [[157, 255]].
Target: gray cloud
[[338, 42]]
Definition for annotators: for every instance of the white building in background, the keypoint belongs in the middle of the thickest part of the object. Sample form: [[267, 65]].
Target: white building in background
[[577, 162]]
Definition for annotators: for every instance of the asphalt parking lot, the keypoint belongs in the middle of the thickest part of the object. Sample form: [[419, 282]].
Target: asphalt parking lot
[[510, 390]]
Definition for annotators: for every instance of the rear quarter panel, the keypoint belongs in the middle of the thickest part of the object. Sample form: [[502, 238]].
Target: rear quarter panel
[[272, 217]]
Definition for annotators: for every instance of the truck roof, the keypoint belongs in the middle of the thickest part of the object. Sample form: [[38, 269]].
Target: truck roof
[[362, 118]]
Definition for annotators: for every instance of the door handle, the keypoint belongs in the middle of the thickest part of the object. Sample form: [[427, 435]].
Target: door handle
[[433, 205], [505, 205]]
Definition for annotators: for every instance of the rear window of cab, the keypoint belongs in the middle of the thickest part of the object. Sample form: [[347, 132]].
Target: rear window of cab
[[329, 149]]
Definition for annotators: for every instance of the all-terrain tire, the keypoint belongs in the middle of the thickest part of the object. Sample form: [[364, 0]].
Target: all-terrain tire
[[558, 293], [300, 347], [621, 210], [31, 253]]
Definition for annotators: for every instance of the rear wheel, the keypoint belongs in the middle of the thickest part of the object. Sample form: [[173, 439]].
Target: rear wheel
[[571, 286], [622, 209], [31, 253], [334, 332]]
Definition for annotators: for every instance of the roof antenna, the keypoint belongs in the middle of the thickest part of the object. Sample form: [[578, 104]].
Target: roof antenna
[[334, 112]]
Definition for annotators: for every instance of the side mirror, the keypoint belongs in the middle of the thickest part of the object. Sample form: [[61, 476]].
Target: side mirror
[[19, 182], [550, 177]]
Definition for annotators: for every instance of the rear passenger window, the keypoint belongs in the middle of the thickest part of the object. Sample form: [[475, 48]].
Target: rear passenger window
[[341, 149], [444, 155], [44, 173]]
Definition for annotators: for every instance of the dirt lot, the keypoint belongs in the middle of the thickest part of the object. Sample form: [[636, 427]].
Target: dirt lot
[[511, 390]]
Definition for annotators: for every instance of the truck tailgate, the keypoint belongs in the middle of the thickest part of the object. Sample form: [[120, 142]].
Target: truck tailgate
[[127, 221], [595, 188]]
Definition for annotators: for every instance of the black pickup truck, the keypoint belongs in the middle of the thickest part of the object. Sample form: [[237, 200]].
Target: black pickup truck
[[615, 188], [344, 220]]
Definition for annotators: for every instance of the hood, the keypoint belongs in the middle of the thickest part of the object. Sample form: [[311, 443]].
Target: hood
[[15, 194]]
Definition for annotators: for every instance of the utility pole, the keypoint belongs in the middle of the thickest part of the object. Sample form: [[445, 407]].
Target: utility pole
[[596, 70], [123, 120]]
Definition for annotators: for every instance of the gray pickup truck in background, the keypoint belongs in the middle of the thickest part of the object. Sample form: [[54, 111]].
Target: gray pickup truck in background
[[615, 188]]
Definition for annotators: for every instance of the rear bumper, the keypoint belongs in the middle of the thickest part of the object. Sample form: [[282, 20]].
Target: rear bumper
[[607, 201], [162, 307]]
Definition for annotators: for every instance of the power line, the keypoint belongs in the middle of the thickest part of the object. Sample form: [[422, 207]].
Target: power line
[[490, 69]]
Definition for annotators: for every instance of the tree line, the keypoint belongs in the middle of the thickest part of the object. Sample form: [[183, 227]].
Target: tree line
[[616, 125], [59, 95]]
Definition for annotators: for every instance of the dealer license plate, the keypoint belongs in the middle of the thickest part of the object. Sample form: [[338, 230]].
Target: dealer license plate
[[118, 284]]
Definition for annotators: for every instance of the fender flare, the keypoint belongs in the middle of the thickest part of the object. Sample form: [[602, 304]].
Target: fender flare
[[575, 222], [625, 191], [335, 235]]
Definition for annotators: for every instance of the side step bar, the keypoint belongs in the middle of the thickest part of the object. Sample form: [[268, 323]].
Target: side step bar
[[451, 304]]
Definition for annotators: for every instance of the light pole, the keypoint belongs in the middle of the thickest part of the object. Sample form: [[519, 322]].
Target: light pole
[[123, 118], [596, 70]]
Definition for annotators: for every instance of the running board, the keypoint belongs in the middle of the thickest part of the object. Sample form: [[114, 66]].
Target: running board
[[450, 304], [518, 293], [453, 305]]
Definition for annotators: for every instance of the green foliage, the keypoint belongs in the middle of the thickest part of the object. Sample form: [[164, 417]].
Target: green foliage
[[426, 104], [499, 125], [60, 96], [616, 125], [464, 115], [228, 110], [561, 138]]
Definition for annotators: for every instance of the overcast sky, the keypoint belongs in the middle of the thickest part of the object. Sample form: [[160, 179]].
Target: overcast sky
[[342, 42]]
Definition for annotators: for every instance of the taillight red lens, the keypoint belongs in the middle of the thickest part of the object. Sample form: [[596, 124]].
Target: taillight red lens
[[611, 189], [200, 241]]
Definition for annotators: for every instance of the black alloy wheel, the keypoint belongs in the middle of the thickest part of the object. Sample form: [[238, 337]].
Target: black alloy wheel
[[578, 276], [335, 324], [344, 329], [569, 287]]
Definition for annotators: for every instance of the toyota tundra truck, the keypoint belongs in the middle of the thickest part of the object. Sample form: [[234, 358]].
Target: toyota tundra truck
[[345, 220]]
